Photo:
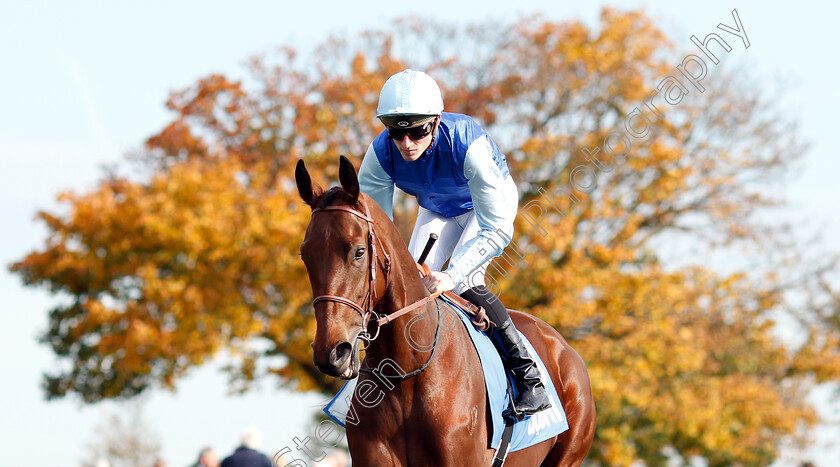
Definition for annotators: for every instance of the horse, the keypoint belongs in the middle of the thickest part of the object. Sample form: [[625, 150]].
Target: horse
[[431, 410]]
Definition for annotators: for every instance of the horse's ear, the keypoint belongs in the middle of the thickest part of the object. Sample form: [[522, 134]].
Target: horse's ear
[[308, 189], [348, 178]]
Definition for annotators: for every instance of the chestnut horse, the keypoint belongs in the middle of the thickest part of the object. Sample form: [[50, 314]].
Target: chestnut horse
[[436, 414]]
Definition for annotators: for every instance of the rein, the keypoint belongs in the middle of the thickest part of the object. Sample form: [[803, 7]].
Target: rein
[[366, 309], [477, 314], [424, 366], [365, 313], [480, 316]]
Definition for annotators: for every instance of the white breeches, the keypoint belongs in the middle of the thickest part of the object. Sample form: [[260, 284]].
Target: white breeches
[[453, 233]]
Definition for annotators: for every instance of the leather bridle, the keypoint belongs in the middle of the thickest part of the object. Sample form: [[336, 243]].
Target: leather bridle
[[366, 309], [479, 315]]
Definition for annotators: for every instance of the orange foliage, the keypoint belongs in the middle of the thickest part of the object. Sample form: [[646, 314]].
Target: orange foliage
[[162, 274]]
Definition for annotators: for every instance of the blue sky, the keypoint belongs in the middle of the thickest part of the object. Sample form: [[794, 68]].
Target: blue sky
[[84, 82]]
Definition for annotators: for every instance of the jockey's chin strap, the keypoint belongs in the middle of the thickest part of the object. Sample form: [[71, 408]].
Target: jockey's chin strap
[[370, 297]]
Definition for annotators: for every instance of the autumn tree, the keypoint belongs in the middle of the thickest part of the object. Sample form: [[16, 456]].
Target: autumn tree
[[198, 255]]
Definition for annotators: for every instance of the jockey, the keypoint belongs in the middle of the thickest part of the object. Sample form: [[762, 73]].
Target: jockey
[[466, 196]]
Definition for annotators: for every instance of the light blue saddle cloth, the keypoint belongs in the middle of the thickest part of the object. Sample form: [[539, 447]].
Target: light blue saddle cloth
[[531, 430]]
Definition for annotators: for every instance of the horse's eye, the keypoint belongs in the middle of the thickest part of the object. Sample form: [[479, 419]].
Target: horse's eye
[[360, 253]]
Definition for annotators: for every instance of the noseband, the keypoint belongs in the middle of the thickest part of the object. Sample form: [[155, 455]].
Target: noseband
[[369, 299]]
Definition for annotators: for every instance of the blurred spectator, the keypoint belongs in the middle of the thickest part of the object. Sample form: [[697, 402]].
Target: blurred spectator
[[247, 454], [207, 457], [160, 462]]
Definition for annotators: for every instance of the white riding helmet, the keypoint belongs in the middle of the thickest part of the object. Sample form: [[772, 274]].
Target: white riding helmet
[[409, 92]]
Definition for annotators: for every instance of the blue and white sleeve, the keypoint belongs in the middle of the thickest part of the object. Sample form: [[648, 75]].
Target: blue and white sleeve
[[376, 183], [495, 200]]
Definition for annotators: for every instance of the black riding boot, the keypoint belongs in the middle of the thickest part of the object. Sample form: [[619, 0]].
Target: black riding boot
[[515, 356], [532, 397]]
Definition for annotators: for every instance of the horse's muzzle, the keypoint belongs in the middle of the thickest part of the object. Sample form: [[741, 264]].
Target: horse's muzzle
[[342, 360]]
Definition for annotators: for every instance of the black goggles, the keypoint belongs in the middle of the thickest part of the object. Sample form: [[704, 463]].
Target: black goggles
[[415, 133]]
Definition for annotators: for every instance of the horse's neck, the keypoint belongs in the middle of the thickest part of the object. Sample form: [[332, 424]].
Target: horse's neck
[[404, 288], [406, 339]]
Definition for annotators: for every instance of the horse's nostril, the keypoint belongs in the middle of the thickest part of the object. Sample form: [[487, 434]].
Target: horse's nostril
[[340, 353]]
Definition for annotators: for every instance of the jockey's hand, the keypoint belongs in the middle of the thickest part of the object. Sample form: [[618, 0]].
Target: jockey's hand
[[438, 281]]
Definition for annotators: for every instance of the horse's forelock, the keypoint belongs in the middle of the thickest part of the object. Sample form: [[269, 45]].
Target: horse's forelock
[[331, 195]]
